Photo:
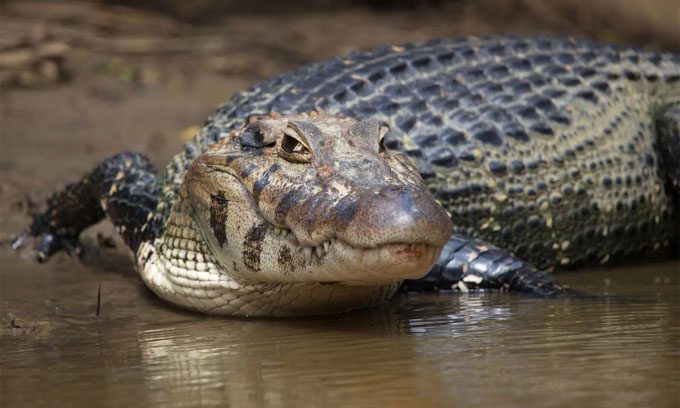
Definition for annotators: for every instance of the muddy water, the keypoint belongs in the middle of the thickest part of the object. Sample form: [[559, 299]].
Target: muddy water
[[620, 347]]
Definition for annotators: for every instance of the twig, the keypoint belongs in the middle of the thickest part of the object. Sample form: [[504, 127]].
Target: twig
[[99, 298]]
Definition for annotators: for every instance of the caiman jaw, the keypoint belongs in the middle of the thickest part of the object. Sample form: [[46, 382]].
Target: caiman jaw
[[414, 253], [319, 251], [314, 198]]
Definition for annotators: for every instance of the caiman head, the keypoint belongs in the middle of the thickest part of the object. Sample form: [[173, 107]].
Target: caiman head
[[314, 198]]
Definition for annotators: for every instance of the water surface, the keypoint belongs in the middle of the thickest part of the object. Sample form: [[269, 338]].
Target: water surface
[[619, 347]]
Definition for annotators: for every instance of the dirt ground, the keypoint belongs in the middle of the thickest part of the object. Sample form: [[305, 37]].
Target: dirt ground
[[82, 81]]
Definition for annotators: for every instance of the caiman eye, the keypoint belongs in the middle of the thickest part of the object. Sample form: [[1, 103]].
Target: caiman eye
[[292, 149]]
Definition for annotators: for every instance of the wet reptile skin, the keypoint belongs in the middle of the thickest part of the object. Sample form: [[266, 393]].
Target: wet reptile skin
[[544, 147], [547, 148]]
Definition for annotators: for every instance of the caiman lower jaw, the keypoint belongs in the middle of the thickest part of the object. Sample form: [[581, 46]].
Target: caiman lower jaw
[[387, 262], [384, 263], [320, 250]]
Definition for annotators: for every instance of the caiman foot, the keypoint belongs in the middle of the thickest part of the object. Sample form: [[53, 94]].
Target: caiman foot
[[124, 187], [49, 244], [469, 264]]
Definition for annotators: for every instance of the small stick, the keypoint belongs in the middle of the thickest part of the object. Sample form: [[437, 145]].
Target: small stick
[[99, 298]]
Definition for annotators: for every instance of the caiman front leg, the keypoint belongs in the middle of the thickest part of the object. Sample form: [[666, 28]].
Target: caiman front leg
[[468, 263], [124, 187]]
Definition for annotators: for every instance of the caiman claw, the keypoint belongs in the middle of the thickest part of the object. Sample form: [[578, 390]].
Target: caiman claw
[[49, 244]]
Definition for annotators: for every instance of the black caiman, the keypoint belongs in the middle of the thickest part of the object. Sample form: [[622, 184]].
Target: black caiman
[[466, 163]]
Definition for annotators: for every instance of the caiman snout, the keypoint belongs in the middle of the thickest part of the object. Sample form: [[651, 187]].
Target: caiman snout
[[396, 214]]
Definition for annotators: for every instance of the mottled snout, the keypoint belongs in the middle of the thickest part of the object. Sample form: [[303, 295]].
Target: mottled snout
[[393, 214]]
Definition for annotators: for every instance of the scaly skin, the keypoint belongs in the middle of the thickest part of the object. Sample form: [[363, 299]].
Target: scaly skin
[[547, 148]]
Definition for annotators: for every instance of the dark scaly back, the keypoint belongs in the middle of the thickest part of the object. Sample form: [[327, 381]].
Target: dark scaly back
[[542, 146]]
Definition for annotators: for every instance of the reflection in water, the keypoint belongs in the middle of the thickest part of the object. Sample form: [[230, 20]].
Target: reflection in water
[[287, 362], [617, 349], [462, 316]]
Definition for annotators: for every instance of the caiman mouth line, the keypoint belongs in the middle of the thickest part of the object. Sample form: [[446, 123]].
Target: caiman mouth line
[[321, 250]]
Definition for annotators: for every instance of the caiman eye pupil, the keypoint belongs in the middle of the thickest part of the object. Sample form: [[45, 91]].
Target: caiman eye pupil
[[291, 145], [381, 146], [383, 131]]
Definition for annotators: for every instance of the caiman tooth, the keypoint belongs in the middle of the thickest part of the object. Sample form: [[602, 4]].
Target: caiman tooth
[[326, 245], [308, 253], [319, 251]]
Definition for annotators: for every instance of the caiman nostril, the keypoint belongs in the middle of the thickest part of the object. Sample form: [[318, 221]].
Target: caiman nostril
[[396, 214], [390, 191]]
